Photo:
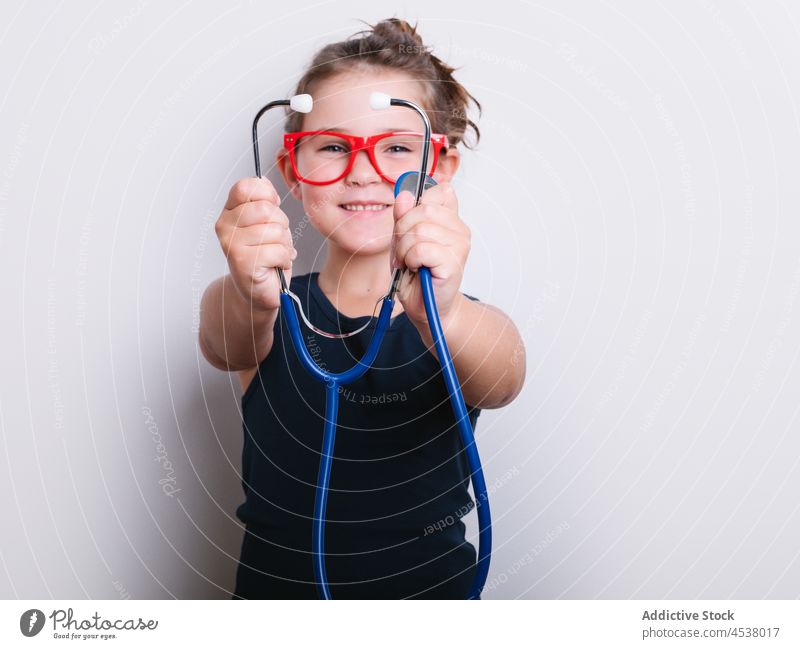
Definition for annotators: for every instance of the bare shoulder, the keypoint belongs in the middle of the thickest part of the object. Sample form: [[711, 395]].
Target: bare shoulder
[[246, 377]]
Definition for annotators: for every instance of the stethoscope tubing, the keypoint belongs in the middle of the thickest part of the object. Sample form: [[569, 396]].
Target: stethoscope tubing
[[466, 433], [332, 382]]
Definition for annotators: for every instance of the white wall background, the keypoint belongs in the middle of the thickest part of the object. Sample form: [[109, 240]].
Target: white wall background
[[634, 207]]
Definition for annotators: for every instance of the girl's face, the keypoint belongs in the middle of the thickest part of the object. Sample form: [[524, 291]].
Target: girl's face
[[341, 103]]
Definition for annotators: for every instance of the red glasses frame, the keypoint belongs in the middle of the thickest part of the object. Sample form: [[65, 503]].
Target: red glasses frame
[[357, 143]]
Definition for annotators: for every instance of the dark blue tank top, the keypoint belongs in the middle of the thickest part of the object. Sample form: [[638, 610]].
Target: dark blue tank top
[[399, 477]]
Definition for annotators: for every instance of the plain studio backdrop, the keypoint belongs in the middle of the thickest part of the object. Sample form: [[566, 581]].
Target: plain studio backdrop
[[634, 208]]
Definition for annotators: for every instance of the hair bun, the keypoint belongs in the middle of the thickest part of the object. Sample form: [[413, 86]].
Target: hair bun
[[396, 31], [397, 28], [394, 44]]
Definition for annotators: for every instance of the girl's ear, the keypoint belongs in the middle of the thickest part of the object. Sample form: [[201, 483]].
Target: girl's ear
[[285, 167], [447, 165]]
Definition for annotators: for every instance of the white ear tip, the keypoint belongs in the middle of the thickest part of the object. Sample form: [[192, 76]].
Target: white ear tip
[[301, 103], [379, 101]]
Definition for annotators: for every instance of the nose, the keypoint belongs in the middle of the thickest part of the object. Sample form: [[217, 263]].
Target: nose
[[362, 172]]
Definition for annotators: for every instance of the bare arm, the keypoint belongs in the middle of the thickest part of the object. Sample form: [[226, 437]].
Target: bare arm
[[233, 335], [488, 352]]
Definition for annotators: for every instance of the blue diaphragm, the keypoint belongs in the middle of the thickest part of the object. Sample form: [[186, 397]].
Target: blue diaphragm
[[408, 182]]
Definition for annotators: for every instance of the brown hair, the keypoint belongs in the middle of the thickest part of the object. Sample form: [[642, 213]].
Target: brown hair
[[394, 44]]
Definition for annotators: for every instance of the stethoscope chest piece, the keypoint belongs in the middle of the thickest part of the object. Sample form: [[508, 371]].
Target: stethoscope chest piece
[[408, 181]]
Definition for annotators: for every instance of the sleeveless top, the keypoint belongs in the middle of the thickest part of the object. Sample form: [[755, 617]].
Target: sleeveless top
[[399, 471]]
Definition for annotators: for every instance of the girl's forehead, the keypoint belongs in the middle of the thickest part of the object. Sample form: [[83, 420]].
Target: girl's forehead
[[343, 101]]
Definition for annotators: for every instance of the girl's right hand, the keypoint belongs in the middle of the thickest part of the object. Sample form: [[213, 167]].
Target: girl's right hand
[[255, 237]]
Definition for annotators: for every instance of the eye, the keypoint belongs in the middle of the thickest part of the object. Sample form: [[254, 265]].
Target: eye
[[333, 148], [398, 148]]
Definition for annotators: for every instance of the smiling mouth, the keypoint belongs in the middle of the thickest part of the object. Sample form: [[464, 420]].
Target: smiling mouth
[[361, 207]]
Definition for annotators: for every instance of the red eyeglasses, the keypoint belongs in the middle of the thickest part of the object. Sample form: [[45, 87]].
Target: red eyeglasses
[[323, 157]]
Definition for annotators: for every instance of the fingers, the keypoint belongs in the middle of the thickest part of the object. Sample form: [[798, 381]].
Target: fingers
[[254, 234], [255, 237], [251, 189], [262, 233], [441, 260], [403, 203], [421, 232], [253, 213], [266, 292], [433, 235], [252, 264], [438, 204], [441, 194], [275, 230], [425, 215]]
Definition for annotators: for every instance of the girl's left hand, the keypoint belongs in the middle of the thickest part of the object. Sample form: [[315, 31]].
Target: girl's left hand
[[431, 235]]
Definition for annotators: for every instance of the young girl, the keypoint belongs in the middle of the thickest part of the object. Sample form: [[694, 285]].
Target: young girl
[[399, 478]]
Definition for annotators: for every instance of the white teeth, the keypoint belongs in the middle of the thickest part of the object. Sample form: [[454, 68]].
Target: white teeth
[[361, 208]]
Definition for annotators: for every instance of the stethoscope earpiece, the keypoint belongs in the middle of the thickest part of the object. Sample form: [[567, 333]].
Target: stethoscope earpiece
[[301, 103]]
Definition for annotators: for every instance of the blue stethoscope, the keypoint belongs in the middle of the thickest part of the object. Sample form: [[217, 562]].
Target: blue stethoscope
[[420, 182]]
